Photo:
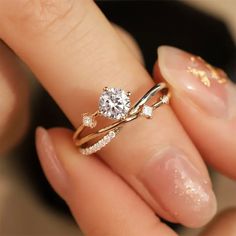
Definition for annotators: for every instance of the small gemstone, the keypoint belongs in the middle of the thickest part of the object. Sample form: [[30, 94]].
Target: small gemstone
[[165, 99], [87, 151], [82, 150], [112, 134], [106, 138], [89, 121], [99, 144], [147, 111], [114, 103]]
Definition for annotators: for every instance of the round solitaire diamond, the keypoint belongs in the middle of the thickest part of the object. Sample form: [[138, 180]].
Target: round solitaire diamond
[[114, 103]]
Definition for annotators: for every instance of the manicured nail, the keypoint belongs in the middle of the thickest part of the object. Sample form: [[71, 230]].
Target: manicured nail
[[179, 187], [51, 164], [198, 80]]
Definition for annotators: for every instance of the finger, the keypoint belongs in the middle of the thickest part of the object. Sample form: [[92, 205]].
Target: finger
[[14, 101], [100, 201], [223, 224], [204, 100], [130, 42], [75, 52]]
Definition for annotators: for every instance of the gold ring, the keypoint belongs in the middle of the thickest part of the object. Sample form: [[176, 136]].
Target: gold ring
[[114, 104]]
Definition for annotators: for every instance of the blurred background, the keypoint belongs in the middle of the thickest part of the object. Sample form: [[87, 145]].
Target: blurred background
[[28, 205]]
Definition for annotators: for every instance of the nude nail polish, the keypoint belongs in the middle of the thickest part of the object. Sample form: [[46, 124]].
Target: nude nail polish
[[196, 79], [179, 187]]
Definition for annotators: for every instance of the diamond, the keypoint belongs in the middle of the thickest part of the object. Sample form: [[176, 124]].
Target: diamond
[[112, 134], [99, 144], [106, 138], [114, 103], [147, 111], [165, 99], [89, 121]]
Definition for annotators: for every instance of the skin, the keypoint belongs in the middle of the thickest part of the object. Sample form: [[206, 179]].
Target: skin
[[14, 111], [39, 37]]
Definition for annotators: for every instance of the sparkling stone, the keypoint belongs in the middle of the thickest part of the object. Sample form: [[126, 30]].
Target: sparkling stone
[[112, 134], [99, 144], [89, 121], [87, 152], [83, 151], [106, 138], [165, 99], [147, 111], [114, 103]]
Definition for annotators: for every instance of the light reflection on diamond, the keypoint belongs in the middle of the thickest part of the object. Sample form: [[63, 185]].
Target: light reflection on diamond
[[114, 103]]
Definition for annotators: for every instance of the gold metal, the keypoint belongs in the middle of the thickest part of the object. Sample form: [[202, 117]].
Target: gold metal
[[134, 113], [105, 88], [129, 94], [207, 74]]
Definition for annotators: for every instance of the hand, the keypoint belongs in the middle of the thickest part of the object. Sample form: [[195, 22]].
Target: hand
[[75, 52]]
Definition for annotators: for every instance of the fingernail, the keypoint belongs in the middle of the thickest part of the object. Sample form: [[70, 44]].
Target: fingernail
[[204, 84], [51, 164], [179, 187]]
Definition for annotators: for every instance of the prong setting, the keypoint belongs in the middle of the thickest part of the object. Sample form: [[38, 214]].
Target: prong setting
[[165, 99], [128, 93], [147, 111], [105, 89], [89, 120]]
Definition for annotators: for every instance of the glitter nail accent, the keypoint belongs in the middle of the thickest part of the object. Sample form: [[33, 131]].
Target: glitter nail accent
[[206, 72], [202, 75], [191, 190]]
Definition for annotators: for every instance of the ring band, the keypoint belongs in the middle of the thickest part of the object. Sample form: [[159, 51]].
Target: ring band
[[115, 104]]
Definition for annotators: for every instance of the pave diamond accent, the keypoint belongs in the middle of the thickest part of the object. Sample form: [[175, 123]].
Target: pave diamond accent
[[114, 103], [147, 111], [98, 145], [88, 121]]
